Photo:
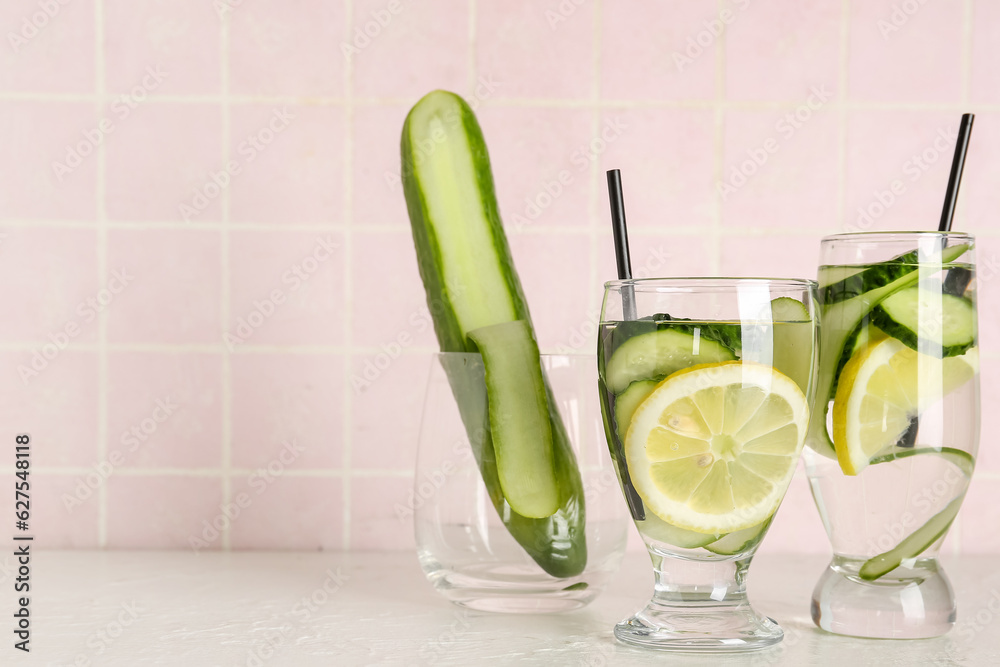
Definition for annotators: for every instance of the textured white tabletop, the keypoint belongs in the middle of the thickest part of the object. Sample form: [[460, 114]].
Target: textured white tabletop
[[301, 609]]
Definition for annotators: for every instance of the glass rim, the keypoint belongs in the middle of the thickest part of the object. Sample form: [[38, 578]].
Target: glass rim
[[713, 282], [886, 234]]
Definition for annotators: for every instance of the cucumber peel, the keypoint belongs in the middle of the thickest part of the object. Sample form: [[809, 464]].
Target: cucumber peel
[[929, 321], [657, 529], [935, 527], [470, 281], [914, 544], [739, 541], [841, 316], [519, 418], [629, 400], [657, 354], [960, 458]]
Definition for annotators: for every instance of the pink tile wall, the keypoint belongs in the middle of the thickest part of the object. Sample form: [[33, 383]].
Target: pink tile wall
[[237, 168]]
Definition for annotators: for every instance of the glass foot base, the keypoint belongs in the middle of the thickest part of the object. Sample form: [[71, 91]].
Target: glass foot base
[[511, 588], [908, 603], [710, 629]]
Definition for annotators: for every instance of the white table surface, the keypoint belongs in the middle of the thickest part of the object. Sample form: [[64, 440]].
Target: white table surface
[[180, 608]]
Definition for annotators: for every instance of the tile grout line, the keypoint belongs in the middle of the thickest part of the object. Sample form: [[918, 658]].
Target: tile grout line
[[719, 145], [102, 269], [472, 62], [962, 219], [955, 546], [325, 473], [225, 287], [845, 40], [789, 105], [394, 228], [595, 166], [348, 212], [167, 348]]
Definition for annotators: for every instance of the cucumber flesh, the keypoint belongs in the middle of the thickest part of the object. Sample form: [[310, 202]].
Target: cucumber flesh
[[456, 203], [628, 401], [840, 319], [655, 528], [519, 417], [794, 341], [914, 544], [740, 541], [941, 325], [655, 355], [470, 281], [728, 335], [871, 278]]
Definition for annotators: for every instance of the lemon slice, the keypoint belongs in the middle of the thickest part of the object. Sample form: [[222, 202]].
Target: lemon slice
[[881, 387], [713, 448]]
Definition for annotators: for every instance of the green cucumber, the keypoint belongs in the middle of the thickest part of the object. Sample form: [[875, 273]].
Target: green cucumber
[[929, 321], [841, 318], [866, 280], [794, 342], [858, 339], [628, 401], [519, 417], [470, 281], [655, 528], [739, 541], [729, 335], [960, 458], [913, 544], [657, 354]]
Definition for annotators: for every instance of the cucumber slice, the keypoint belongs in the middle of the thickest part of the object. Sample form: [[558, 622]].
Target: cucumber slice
[[961, 459], [519, 417], [871, 278], [729, 335], [657, 354], [840, 319], [914, 544], [627, 402], [657, 529], [466, 267], [794, 340], [929, 321], [740, 541], [859, 338]]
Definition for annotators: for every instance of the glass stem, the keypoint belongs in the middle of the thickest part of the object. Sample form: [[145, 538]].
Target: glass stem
[[688, 583]]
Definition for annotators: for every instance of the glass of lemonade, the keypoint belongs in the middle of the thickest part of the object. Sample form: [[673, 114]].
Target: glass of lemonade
[[895, 426], [704, 387]]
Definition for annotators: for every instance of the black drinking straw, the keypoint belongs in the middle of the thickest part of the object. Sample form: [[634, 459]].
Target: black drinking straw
[[955, 178], [628, 313], [621, 242], [957, 279]]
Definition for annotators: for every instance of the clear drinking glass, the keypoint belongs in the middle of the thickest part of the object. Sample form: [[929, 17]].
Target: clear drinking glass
[[465, 550], [895, 427], [705, 384]]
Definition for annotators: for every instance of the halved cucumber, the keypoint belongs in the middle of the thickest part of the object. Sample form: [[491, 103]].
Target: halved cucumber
[[469, 277], [914, 544], [627, 402], [740, 541], [519, 417], [928, 321], [657, 354]]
